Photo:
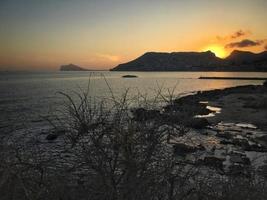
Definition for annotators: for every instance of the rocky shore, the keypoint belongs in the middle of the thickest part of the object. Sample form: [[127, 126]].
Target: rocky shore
[[224, 129]]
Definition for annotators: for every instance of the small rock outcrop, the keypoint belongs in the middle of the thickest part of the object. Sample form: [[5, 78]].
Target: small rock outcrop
[[129, 76], [198, 123]]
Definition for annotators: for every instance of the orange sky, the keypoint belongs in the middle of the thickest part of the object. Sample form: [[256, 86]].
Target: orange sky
[[42, 35]]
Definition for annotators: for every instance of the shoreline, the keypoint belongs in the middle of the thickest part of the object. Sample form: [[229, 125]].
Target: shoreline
[[238, 104], [232, 78]]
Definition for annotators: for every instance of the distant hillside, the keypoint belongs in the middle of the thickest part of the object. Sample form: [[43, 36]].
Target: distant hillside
[[247, 61], [72, 67], [196, 61]]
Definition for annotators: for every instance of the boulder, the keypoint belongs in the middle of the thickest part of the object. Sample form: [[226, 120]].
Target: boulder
[[241, 142], [183, 149], [225, 134], [198, 123], [236, 170], [240, 159], [55, 133], [256, 147], [212, 161], [51, 136]]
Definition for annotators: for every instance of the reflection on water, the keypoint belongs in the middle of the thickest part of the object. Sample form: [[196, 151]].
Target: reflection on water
[[213, 110]]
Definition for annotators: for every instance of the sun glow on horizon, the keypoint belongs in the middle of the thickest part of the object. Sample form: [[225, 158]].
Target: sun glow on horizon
[[218, 50]]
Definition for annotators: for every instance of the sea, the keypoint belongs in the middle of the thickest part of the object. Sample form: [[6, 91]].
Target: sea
[[27, 99]]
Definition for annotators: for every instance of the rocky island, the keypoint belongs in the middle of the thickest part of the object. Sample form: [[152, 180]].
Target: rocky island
[[72, 67]]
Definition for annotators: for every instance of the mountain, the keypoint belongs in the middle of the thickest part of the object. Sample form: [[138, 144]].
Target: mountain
[[196, 61], [247, 56], [72, 67], [176, 61]]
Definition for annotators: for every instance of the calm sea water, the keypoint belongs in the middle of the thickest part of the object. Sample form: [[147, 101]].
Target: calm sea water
[[25, 96]]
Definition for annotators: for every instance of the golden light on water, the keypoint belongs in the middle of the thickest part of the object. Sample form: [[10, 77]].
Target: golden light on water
[[218, 50]]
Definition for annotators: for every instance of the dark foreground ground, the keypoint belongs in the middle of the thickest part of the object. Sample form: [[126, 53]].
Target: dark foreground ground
[[210, 145]]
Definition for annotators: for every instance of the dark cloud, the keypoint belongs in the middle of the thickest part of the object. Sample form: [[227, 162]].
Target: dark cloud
[[265, 47], [233, 36], [244, 43], [238, 34]]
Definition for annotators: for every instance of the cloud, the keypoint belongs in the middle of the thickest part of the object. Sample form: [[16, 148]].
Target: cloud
[[238, 34], [233, 36], [265, 47], [244, 43]]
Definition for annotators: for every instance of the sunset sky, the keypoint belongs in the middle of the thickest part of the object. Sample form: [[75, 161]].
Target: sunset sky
[[99, 34]]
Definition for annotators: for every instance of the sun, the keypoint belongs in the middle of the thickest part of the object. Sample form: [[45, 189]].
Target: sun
[[218, 50]]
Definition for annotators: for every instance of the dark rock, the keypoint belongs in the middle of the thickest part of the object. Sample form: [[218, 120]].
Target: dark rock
[[256, 104], [212, 161], [262, 170], [241, 142], [51, 136], [55, 133], [256, 147], [175, 118], [226, 142], [236, 170], [60, 131], [262, 139], [182, 149], [141, 114], [198, 123], [129, 76], [225, 134], [240, 159]]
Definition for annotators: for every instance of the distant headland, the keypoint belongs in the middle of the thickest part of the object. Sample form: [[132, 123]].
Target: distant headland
[[72, 67], [197, 61]]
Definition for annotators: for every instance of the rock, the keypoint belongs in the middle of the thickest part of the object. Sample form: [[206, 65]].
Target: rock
[[212, 161], [141, 114], [241, 142], [129, 76], [225, 134], [240, 159], [262, 138], [182, 149], [51, 136], [198, 123], [226, 142], [60, 131], [262, 170], [256, 147], [236, 170], [55, 133], [262, 143]]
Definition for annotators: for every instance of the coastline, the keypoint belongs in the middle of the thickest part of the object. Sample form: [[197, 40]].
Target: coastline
[[238, 104]]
